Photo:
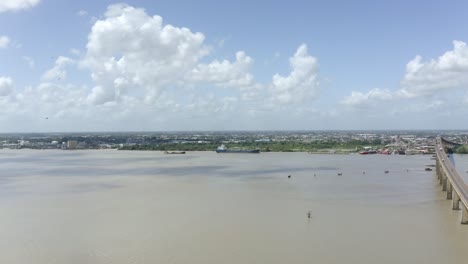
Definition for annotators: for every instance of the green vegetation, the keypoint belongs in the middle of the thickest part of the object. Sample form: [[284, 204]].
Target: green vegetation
[[282, 146], [462, 149], [173, 147]]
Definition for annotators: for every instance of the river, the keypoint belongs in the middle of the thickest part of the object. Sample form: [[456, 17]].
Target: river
[[111, 206], [461, 163]]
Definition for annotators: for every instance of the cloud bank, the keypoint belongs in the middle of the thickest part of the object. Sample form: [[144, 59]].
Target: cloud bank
[[447, 73], [142, 68], [146, 74]]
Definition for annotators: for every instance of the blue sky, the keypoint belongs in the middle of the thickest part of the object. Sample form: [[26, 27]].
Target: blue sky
[[113, 66]]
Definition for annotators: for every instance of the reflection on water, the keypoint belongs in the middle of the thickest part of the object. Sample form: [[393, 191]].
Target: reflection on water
[[203, 207]]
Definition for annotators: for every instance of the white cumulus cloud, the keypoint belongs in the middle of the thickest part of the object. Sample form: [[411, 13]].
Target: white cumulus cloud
[[14, 5], [129, 51], [301, 83], [225, 73], [369, 98], [422, 79], [446, 72], [6, 86], [58, 72], [4, 42]]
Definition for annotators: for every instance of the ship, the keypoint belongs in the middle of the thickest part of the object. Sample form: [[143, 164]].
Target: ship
[[223, 149], [368, 150]]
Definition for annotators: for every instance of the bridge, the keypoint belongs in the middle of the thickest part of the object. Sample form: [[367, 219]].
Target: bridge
[[450, 180], [448, 145]]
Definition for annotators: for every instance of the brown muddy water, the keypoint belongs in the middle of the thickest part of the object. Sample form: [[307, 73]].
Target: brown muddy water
[[147, 207]]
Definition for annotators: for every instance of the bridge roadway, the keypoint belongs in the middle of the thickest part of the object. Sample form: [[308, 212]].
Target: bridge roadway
[[451, 181]]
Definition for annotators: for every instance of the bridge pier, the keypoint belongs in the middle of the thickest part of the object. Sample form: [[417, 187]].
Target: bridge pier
[[464, 220], [438, 169], [444, 184], [449, 189], [455, 201]]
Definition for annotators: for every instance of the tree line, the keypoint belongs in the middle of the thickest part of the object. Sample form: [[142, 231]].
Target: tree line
[[282, 146]]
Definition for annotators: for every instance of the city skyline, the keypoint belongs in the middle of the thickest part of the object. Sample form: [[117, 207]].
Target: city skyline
[[178, 65]]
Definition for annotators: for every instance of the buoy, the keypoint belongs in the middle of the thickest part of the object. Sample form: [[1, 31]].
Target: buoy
[[289, 176]]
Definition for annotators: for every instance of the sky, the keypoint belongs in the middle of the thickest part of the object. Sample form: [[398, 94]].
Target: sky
[[180, 65]]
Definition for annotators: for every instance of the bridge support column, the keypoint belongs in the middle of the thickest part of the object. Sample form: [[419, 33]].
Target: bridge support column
[[464, 220], [438, 170], [449, 190], [455, 201], [444, 184], [442, 177]]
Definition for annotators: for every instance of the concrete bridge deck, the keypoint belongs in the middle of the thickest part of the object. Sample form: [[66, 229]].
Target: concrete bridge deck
[[451, 181]]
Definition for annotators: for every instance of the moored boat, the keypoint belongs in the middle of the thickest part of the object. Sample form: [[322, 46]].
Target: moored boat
[[174, 152], [368, 150], [365, 152]]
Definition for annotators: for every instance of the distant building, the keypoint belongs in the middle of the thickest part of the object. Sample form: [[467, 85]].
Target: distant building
[[11, 146], [71, 144]]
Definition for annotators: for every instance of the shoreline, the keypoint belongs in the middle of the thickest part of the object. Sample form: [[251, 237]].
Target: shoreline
[[328, 152]]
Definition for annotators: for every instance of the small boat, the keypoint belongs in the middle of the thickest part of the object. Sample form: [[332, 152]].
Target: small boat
[[428, 169], [340, 173], [386, 171], [174, 152]]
